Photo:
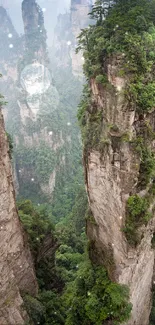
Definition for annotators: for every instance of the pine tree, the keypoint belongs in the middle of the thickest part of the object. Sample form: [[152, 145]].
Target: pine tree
[[100, 9]]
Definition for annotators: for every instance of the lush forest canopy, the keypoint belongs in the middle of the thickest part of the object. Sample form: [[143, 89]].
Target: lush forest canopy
[[72, 290]]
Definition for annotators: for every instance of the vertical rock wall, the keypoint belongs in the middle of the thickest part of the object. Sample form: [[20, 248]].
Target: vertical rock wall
[[79, 20], [67, 30], [111, 177], [16, 266]]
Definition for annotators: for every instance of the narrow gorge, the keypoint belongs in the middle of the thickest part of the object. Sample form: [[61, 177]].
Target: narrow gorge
[[77, 206]]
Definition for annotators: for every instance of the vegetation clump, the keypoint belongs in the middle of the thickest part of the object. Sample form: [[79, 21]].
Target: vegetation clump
[[71, 289], [147, 161], [41, 158], [93, 298], [10, 141], [125, 29], [37, 224], [137, 214], [152, 316]]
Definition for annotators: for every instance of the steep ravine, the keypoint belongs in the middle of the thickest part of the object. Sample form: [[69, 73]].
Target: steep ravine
[[17, 272]]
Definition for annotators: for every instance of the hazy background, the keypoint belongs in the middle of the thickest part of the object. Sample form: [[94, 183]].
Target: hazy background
[[53, 8]]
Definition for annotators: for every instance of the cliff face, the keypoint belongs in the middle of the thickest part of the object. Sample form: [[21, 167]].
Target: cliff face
[[35, 33], [17, 273], [8, 36], [68, 28], [79, 20], [62, 42], [11, 47], [28, 105], [111, 177]]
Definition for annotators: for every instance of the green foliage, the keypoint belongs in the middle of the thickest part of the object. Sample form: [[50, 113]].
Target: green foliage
[[137, 207], [84, 105], [125, 30], [68, 188], [93, 298], [71, 233], [107, 257], [46, 308], [125, 137], [153, 241], [91, 40], [34, 308], [92, 135], [152, 315], [129, 31], [41, 158], [36, 223], [43, 244], [53, 272], [144, 95], [147, 167], [147, 161], [67, 261], [90, 218], [141, 63], [114, 128], [58, 107], [100, 9], [2, 102], [92, 130], [10, 141], [137, 214], [53, 305], [101, 79], [88, 297]]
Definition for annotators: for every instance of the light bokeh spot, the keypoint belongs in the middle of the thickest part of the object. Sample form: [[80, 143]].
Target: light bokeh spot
[[35, 79]]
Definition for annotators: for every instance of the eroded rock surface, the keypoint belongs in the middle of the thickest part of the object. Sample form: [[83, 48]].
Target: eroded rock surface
[[111, 177], [16, 266]]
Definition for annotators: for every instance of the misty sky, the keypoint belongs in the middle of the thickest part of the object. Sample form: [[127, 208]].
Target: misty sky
[[53, 8]]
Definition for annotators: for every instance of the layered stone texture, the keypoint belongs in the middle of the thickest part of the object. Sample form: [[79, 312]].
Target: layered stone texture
[[111, 177], [16, 265]]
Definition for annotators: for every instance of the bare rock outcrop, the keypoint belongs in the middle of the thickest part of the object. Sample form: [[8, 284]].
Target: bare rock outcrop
[[111, 177], [16, 265], [79, 20], [67, 30]]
